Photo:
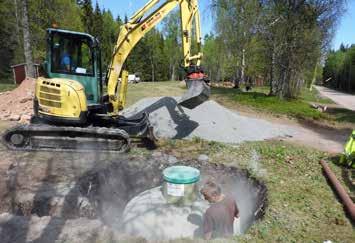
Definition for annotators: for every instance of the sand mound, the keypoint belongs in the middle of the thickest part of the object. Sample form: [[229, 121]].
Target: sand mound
[[17, 105], [209, 121]]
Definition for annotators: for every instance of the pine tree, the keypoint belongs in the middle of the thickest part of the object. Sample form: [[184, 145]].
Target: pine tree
[[97, 28], [109, 36], [87, 15], [8, 39]]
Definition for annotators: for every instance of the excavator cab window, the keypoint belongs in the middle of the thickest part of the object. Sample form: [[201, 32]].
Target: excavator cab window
[[71, 55]]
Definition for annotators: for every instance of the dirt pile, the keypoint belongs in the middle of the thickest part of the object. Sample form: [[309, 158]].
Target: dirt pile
[[17, 105]]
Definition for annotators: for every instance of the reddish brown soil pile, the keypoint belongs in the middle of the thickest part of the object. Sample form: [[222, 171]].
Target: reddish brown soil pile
[[17, 105]]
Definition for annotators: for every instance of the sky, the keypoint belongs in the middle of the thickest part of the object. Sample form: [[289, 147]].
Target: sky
[[129, 7], [344, 34], [346, 30]]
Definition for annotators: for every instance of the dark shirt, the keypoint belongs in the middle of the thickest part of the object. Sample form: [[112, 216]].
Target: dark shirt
[[219, 218]]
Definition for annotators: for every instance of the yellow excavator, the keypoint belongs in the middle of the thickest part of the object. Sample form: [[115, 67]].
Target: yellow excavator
[[71, 111]]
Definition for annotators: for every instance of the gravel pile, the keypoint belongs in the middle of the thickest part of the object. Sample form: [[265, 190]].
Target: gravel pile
[[17, 105], [209, 121]]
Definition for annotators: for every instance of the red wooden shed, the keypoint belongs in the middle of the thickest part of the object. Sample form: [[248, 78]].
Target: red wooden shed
[[20, 72]]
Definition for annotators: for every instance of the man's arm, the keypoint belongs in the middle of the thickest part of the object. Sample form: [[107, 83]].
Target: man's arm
[[207, 226], [236, 213]]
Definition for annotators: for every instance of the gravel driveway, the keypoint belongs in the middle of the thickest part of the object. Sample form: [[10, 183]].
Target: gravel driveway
[[343, 99]]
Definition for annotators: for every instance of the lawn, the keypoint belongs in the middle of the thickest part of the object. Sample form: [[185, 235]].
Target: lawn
[[6, 87], [153, 89], [269, 104], [299, 108], [301, 205]]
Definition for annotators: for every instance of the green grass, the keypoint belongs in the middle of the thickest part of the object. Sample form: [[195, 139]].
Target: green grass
[[314, 97], [301, 205], [295, 108], [259, 100], [6, 87], [153, 89]]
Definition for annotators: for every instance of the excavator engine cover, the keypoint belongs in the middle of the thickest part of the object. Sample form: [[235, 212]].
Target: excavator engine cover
[[197, 93]]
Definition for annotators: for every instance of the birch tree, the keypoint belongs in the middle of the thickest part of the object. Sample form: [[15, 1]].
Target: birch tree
[[27, 46]]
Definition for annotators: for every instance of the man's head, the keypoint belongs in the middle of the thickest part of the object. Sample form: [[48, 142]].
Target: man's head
[[211, 191]]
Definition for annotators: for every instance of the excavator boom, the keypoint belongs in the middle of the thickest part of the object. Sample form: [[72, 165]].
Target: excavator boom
[[133, 31]]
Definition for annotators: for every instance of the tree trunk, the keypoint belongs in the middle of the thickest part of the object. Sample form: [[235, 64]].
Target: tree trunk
[[272, 73], [314, 76], [153, 69], [243, 67], [17, 21], [172, 77], [27, 40]]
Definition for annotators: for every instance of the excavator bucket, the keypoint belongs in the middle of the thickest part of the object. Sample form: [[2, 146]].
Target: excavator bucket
[[197, 93]]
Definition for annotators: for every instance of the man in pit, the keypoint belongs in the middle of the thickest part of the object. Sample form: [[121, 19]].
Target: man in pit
[[218, 219]]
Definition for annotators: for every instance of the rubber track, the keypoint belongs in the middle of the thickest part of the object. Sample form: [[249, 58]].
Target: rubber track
[[61, 133]]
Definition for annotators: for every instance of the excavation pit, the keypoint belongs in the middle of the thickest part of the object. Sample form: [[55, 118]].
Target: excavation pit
[[112, 188], [48, 198]]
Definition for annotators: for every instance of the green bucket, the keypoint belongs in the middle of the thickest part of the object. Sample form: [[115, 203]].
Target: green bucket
[[180, 184]]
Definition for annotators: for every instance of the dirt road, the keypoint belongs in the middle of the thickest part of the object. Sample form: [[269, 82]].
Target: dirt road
[[343, 99]]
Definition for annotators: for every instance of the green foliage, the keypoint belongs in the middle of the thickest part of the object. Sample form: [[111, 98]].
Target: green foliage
[[87, 15], [213, 62], [44, 14], [148, 58], [279, 41], [172, 45], [109, 36], [339, 69], [8, 38]]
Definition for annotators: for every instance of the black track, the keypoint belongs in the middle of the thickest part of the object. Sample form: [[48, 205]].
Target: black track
[[62, 138]]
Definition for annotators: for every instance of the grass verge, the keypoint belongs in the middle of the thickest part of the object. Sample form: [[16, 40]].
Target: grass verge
[[294, 108], [6, 87], [301, 205]]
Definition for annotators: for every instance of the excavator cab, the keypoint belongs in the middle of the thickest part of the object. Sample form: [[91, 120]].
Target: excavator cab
[[75, 56]]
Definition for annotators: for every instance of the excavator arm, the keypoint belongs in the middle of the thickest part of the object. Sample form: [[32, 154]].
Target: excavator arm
[[139, 25]]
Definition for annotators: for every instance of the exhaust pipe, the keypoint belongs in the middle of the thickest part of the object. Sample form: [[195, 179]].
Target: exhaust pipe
[[346, 200]]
